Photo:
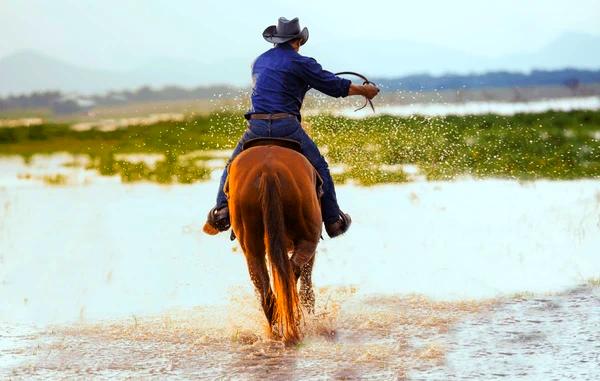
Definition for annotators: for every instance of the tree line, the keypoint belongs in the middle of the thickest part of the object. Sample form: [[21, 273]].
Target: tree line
[[67, 103]]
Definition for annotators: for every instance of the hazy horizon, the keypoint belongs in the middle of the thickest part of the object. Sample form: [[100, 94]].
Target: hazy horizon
[[198, 43]]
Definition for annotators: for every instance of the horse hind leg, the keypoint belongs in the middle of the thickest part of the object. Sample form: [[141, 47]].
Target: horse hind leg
[[303, 260], [307, 294], [257, 268]]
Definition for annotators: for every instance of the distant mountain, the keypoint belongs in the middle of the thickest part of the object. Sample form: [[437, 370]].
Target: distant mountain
[[30, 71]]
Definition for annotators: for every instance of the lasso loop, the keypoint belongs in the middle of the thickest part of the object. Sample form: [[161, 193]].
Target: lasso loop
[[366, 82]]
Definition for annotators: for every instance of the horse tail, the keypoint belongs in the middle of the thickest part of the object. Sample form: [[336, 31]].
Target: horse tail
[[286, 311]]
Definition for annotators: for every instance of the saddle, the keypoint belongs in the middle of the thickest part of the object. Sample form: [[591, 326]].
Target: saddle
[[270, 141]]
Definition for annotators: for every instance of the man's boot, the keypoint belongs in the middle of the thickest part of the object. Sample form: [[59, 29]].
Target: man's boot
[[217, 220], [340, 226]]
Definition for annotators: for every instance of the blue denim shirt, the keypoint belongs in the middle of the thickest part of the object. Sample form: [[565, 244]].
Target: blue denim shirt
[[281, 77]]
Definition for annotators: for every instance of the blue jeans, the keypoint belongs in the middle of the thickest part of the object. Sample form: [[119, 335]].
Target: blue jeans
[[290, 128]]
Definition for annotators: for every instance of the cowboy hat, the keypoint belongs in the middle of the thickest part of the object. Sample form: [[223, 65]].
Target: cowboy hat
[[285, 30]]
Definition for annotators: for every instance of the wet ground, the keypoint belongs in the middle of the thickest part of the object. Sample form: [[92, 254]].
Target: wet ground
[[471, 279], [542, 337], [537, 338]]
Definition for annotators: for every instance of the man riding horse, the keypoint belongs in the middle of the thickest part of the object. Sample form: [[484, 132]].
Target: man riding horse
[[281, 77]]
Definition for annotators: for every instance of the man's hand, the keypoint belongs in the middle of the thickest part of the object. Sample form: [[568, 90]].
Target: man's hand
[[368, 90]]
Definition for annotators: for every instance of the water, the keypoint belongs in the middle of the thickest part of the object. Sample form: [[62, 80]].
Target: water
[[437, 280], [478, 107]]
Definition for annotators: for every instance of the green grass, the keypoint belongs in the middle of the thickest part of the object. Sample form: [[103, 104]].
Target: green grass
[[551, 145]]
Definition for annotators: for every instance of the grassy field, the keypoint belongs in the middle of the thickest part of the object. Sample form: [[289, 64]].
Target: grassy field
[[553, 145]]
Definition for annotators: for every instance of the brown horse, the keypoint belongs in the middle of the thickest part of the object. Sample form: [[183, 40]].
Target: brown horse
[[274, 209]]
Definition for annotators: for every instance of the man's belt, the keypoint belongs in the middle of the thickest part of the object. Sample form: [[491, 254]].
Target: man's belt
[[279, 115]]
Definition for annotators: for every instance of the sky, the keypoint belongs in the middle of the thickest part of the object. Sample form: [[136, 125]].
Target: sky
[[120, 34], [94, 46]]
